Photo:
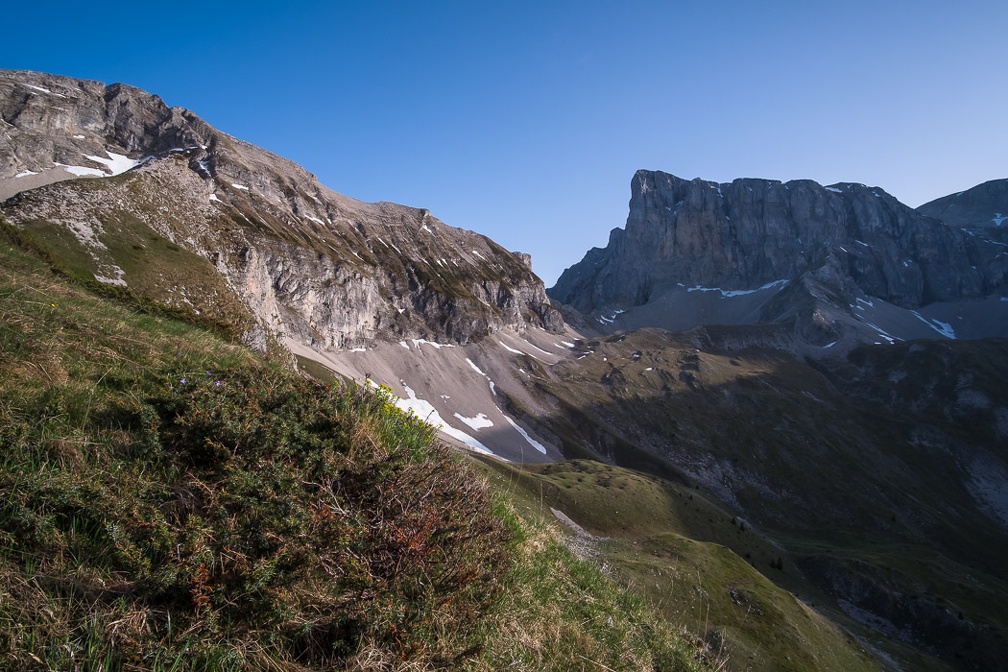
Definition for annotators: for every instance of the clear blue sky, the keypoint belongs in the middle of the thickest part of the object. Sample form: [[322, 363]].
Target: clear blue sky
[[526, 120]]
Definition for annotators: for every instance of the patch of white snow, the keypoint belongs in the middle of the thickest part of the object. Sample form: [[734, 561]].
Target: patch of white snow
[[477, 423], [532, 442], [943, 328], [417, 342]]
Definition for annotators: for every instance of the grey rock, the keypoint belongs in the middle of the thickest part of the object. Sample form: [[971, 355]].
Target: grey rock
[[838, 242], [312, 265]]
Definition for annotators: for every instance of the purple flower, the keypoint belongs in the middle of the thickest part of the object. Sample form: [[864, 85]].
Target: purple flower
[[182, 380], [217, 383]]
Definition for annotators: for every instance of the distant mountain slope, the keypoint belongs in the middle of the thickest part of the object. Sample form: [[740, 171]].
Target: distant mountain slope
[[982, 209], [764, 251]]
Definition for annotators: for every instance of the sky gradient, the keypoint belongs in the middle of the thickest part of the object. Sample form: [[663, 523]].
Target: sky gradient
[[525, 121]]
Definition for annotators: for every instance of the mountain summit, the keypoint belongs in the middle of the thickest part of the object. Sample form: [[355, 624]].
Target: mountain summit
[[311, 265], [760, 251]]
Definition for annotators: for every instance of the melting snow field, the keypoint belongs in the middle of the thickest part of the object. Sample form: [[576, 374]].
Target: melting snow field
[[117, 164]]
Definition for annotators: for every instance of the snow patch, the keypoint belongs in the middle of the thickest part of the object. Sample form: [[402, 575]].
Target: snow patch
[[493, 387], [81, 171], [728, 293], [116, 163], [834, 190], [417, 342], [998, 218], [213, 197], [510, 349], [239, 186], [45, 90], [358, 350], [532, 442], [474, 367], [404, 344], [943, 328], [479, 422]]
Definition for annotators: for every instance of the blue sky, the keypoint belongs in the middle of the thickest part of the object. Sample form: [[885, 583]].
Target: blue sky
[[525, 121]]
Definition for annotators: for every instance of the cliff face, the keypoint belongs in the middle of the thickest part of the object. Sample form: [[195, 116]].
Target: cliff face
[[747, 233], [845, 262], [310, 264]]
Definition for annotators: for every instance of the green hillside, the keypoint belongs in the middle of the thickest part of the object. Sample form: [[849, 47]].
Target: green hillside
[[170, 500]]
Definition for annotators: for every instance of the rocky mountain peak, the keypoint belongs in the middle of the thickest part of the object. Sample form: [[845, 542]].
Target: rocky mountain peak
[[752, 235], [309, 264]]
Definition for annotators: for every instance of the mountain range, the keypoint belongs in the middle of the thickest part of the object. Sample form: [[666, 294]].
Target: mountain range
[[823, 366]]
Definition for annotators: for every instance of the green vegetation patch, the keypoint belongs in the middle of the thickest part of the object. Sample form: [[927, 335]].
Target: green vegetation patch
[[170, 501]]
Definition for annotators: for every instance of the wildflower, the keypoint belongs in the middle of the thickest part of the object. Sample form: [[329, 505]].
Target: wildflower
[[216, 383], [182, 381]]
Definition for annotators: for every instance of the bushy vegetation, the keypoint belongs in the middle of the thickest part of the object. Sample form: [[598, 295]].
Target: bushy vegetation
[[244, 516], [171, 501]]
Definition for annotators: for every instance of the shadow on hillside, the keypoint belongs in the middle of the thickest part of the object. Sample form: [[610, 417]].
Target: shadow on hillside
[[878, 475]]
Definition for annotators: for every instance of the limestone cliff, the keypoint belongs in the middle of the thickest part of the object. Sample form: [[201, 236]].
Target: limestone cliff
[[310, 264], [837, 243]]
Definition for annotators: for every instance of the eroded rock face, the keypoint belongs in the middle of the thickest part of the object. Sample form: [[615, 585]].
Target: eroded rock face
[[313, 265], [747, 233]]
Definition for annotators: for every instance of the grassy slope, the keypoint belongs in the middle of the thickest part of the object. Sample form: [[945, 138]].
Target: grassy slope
[[267, 522], [670, 544], [816, 460]]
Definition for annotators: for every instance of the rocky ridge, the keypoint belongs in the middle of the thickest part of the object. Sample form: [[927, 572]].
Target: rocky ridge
[[312, 265]]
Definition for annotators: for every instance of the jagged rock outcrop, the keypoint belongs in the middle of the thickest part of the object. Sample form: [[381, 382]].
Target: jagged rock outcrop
[[310, 264], [837, 243]]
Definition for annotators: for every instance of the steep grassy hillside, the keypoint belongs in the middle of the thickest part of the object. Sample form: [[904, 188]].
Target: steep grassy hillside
[[169, 500], [687, 556]]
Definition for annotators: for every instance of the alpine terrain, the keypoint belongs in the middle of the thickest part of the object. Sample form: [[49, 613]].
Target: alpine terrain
[[763, 429]]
